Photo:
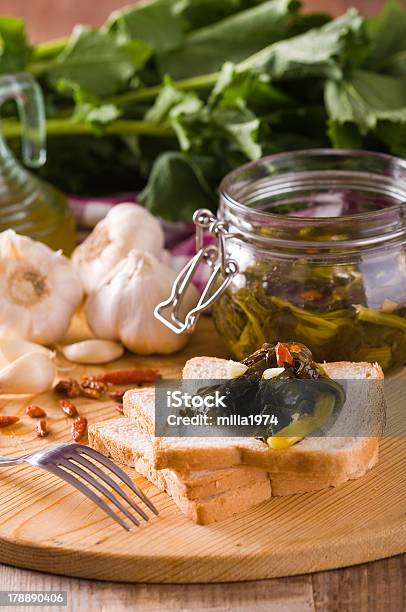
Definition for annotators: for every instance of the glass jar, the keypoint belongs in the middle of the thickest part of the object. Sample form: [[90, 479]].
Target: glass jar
[[311, 249]]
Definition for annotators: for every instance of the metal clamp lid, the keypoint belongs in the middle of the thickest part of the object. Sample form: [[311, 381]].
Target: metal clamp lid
[[216, 258]]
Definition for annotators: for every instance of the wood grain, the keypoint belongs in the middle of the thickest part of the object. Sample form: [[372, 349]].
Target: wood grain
[[47, 526], [378, 586]]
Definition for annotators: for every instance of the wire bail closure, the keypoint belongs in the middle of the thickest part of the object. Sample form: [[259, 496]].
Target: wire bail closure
[[215, 257]]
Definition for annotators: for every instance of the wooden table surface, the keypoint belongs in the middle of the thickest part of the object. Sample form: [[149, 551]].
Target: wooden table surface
[[371, 587]]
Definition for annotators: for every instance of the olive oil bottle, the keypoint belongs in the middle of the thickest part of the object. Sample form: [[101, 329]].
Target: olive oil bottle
[[28, 204]]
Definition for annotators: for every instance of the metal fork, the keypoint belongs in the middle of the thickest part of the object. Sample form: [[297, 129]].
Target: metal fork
[[68, 460]]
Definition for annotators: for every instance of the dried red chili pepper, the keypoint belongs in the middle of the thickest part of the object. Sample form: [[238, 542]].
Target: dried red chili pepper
[[128, 377], [117, 396], [35, 412], [42, 428], [68, 408], [78, 428], [92, 388], [6, 420], [68, 388], [283, 354]]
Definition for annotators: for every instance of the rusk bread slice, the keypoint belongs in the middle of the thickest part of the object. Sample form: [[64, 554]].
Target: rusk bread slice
[[123, 441], [312, 464], [206, 496]]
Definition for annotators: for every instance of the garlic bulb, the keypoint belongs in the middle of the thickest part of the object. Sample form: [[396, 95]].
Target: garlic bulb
[[125, 227], [93, 351], [30, 373], [39, 290], [122, 308]]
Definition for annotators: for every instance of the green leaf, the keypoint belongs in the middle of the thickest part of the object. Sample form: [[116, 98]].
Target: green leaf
[[156, 23], [232, 39], [96, 61], [197, 14], [242, 130], [252, 91], [344, 135], [103, 115], [387, 32], [393, 136], [320, 52], [171, 107], [176, 188], [14, 48], [167, 98], [366, 98]]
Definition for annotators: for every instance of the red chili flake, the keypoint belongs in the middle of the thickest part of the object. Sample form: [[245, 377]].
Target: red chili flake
[[35, 412], [78, 428], [6, 420], [68, 408], [283, 354], [295, 348], [128, 377], [311, 295]]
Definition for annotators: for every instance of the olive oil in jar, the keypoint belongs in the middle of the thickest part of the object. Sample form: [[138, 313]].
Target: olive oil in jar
[[28, 204]]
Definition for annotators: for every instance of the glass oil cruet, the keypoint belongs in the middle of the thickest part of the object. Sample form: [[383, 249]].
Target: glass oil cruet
[[28, 204]]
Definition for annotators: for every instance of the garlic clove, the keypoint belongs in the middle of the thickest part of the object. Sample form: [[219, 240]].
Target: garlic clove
[[31, 373], [12, 349], [235, 369], [93, 351], [127, 226], [272, 373]]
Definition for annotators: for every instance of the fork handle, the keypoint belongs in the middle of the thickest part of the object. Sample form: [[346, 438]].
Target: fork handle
[[5, 461]]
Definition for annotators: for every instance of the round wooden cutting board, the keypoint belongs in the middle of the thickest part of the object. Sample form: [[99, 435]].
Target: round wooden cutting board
[[47, 525]]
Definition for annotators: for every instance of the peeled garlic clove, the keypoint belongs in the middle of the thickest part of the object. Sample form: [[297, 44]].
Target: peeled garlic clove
[[30, 373], [235, 369], [93, 351], [272, 373], [12, 349], [127, 226]]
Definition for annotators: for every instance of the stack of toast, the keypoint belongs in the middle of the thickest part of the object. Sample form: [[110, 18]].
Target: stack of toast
[[212, 478]]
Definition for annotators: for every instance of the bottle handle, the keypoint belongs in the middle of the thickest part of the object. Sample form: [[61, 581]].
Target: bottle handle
[[215, 257], [24, 89]]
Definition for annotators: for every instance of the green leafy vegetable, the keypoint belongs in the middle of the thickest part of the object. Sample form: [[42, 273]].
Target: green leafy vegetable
[[366, 98], [15, 50], [260, 77], [324, 309], [387, 32], [96, 60], [320, 52], [156, 23], [176, 186], [232, 39]]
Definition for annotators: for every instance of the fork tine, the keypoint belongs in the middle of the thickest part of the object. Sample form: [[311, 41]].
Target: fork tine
[[86, 450], [69, 465], [86, 491], [81, 459]]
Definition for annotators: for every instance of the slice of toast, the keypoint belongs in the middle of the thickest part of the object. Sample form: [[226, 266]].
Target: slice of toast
[[312, 464], [205, 496]]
